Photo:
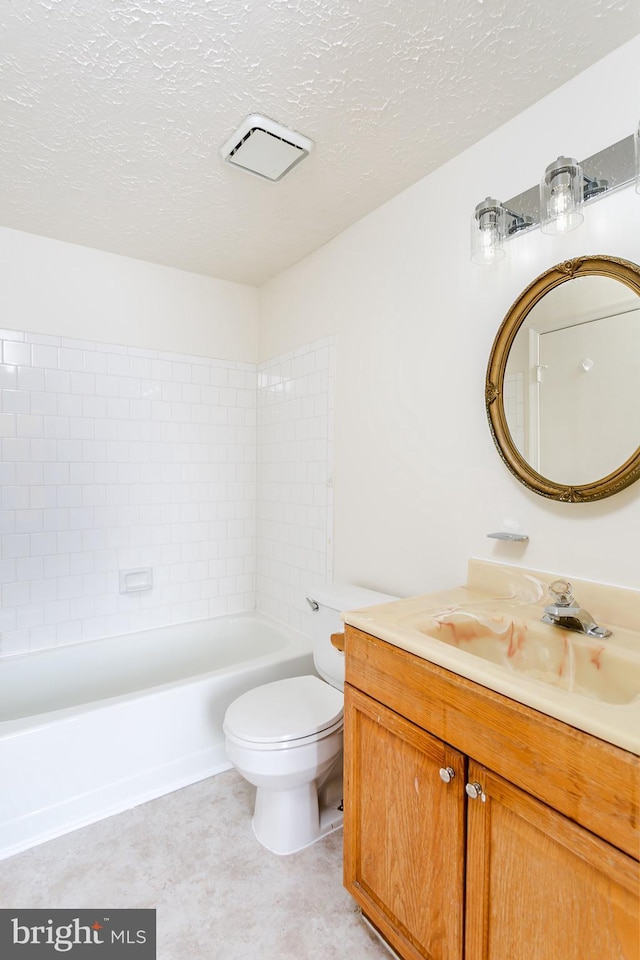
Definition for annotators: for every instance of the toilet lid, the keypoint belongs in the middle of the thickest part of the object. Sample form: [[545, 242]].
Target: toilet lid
[[285, 710]]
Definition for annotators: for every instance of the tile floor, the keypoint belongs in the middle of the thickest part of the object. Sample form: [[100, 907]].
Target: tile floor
[[219, 895]]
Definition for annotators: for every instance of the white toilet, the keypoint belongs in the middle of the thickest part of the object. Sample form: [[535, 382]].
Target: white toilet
[[286, 737]]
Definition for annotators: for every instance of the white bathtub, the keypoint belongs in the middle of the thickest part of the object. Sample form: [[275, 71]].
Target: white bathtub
[[91, 729]]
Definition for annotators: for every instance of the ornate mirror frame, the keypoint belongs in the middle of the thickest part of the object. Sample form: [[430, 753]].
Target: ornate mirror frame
[[628, 472]]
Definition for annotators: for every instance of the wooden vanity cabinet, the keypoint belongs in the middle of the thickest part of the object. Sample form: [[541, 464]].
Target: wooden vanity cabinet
[[407, 876], [503, 875]]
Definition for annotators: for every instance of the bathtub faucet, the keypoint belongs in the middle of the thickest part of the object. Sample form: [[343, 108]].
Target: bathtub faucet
[[564, 612]]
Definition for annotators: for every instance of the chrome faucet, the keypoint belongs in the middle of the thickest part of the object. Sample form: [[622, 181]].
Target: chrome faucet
[[564, 612]]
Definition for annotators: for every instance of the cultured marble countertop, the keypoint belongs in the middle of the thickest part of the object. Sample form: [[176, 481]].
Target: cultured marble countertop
[[592, 684]]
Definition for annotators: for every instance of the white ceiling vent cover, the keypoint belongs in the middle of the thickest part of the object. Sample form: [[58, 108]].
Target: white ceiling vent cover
[[265, 148]]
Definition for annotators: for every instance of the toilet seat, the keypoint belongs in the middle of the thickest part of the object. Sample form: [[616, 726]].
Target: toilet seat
[[286, 713]]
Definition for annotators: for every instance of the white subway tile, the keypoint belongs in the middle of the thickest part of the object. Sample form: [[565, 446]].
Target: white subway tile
[[29, 425], [15, 545], [9, 376], [92, 406], [30, 379], [56, 611], [142, 352], [94, 361], [44, 339], [69, 358], [94, 584], [55, 473], [68, 632], [57, 381], [81, 608], [68, 541], [8, 424], [66, 405], [84, 383], [181, 372], [56, 428], [15, 352], [16, 401], [14, 595], [198, 437], [150, 390], [70, 587], [94, 628], [7, 521], [161, 369], [44, 356], [140, 367], [29, 521], [129, 387], [42, 638], [68, 496], [54, 566], [119, 365], [80, 518], [14, 497], [106, 386], [30, 615], [94, 540], [93, 450], [43, 449], [8, 571]]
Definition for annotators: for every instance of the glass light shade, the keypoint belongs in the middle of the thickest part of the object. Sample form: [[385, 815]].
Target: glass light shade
[[561, 196], [487, 232]]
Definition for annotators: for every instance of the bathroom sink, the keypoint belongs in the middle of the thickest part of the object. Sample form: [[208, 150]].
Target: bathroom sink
[[600, 669], [491, 632]]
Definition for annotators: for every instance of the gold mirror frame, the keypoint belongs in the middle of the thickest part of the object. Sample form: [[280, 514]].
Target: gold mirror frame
[[627, 273]]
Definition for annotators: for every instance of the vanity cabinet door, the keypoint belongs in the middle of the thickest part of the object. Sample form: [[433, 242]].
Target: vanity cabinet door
[[539, 886], [404, 830]]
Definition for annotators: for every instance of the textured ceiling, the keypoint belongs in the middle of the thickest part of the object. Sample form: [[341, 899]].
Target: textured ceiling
[[112, 111]]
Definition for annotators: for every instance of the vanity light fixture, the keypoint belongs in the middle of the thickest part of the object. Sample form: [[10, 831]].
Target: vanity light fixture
[[556, 206]]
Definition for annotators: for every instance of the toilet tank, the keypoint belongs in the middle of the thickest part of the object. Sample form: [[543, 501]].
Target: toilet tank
[[332, 600]]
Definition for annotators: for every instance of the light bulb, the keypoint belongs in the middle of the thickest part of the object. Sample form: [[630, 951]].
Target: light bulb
[[487, 232], [561, 196], [560, 204]]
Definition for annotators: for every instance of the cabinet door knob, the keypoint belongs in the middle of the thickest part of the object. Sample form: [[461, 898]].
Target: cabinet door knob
[[474, 790], [447, 774]]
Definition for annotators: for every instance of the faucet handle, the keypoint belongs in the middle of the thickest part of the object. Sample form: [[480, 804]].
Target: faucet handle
[[560, 591]]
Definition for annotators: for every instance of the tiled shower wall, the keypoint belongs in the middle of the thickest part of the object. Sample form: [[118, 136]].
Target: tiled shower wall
[[295, 478], [117, 458]]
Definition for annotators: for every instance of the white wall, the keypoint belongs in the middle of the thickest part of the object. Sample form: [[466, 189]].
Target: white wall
[[50, 287], [418, 482]]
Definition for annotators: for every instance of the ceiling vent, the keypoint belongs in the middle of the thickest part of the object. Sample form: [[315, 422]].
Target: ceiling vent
[[265, 148]]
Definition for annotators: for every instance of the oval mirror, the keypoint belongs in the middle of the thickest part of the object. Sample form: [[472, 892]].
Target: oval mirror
[[562, 381]]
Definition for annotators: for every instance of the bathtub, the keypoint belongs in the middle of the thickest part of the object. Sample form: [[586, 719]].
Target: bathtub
[[90, 729]]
